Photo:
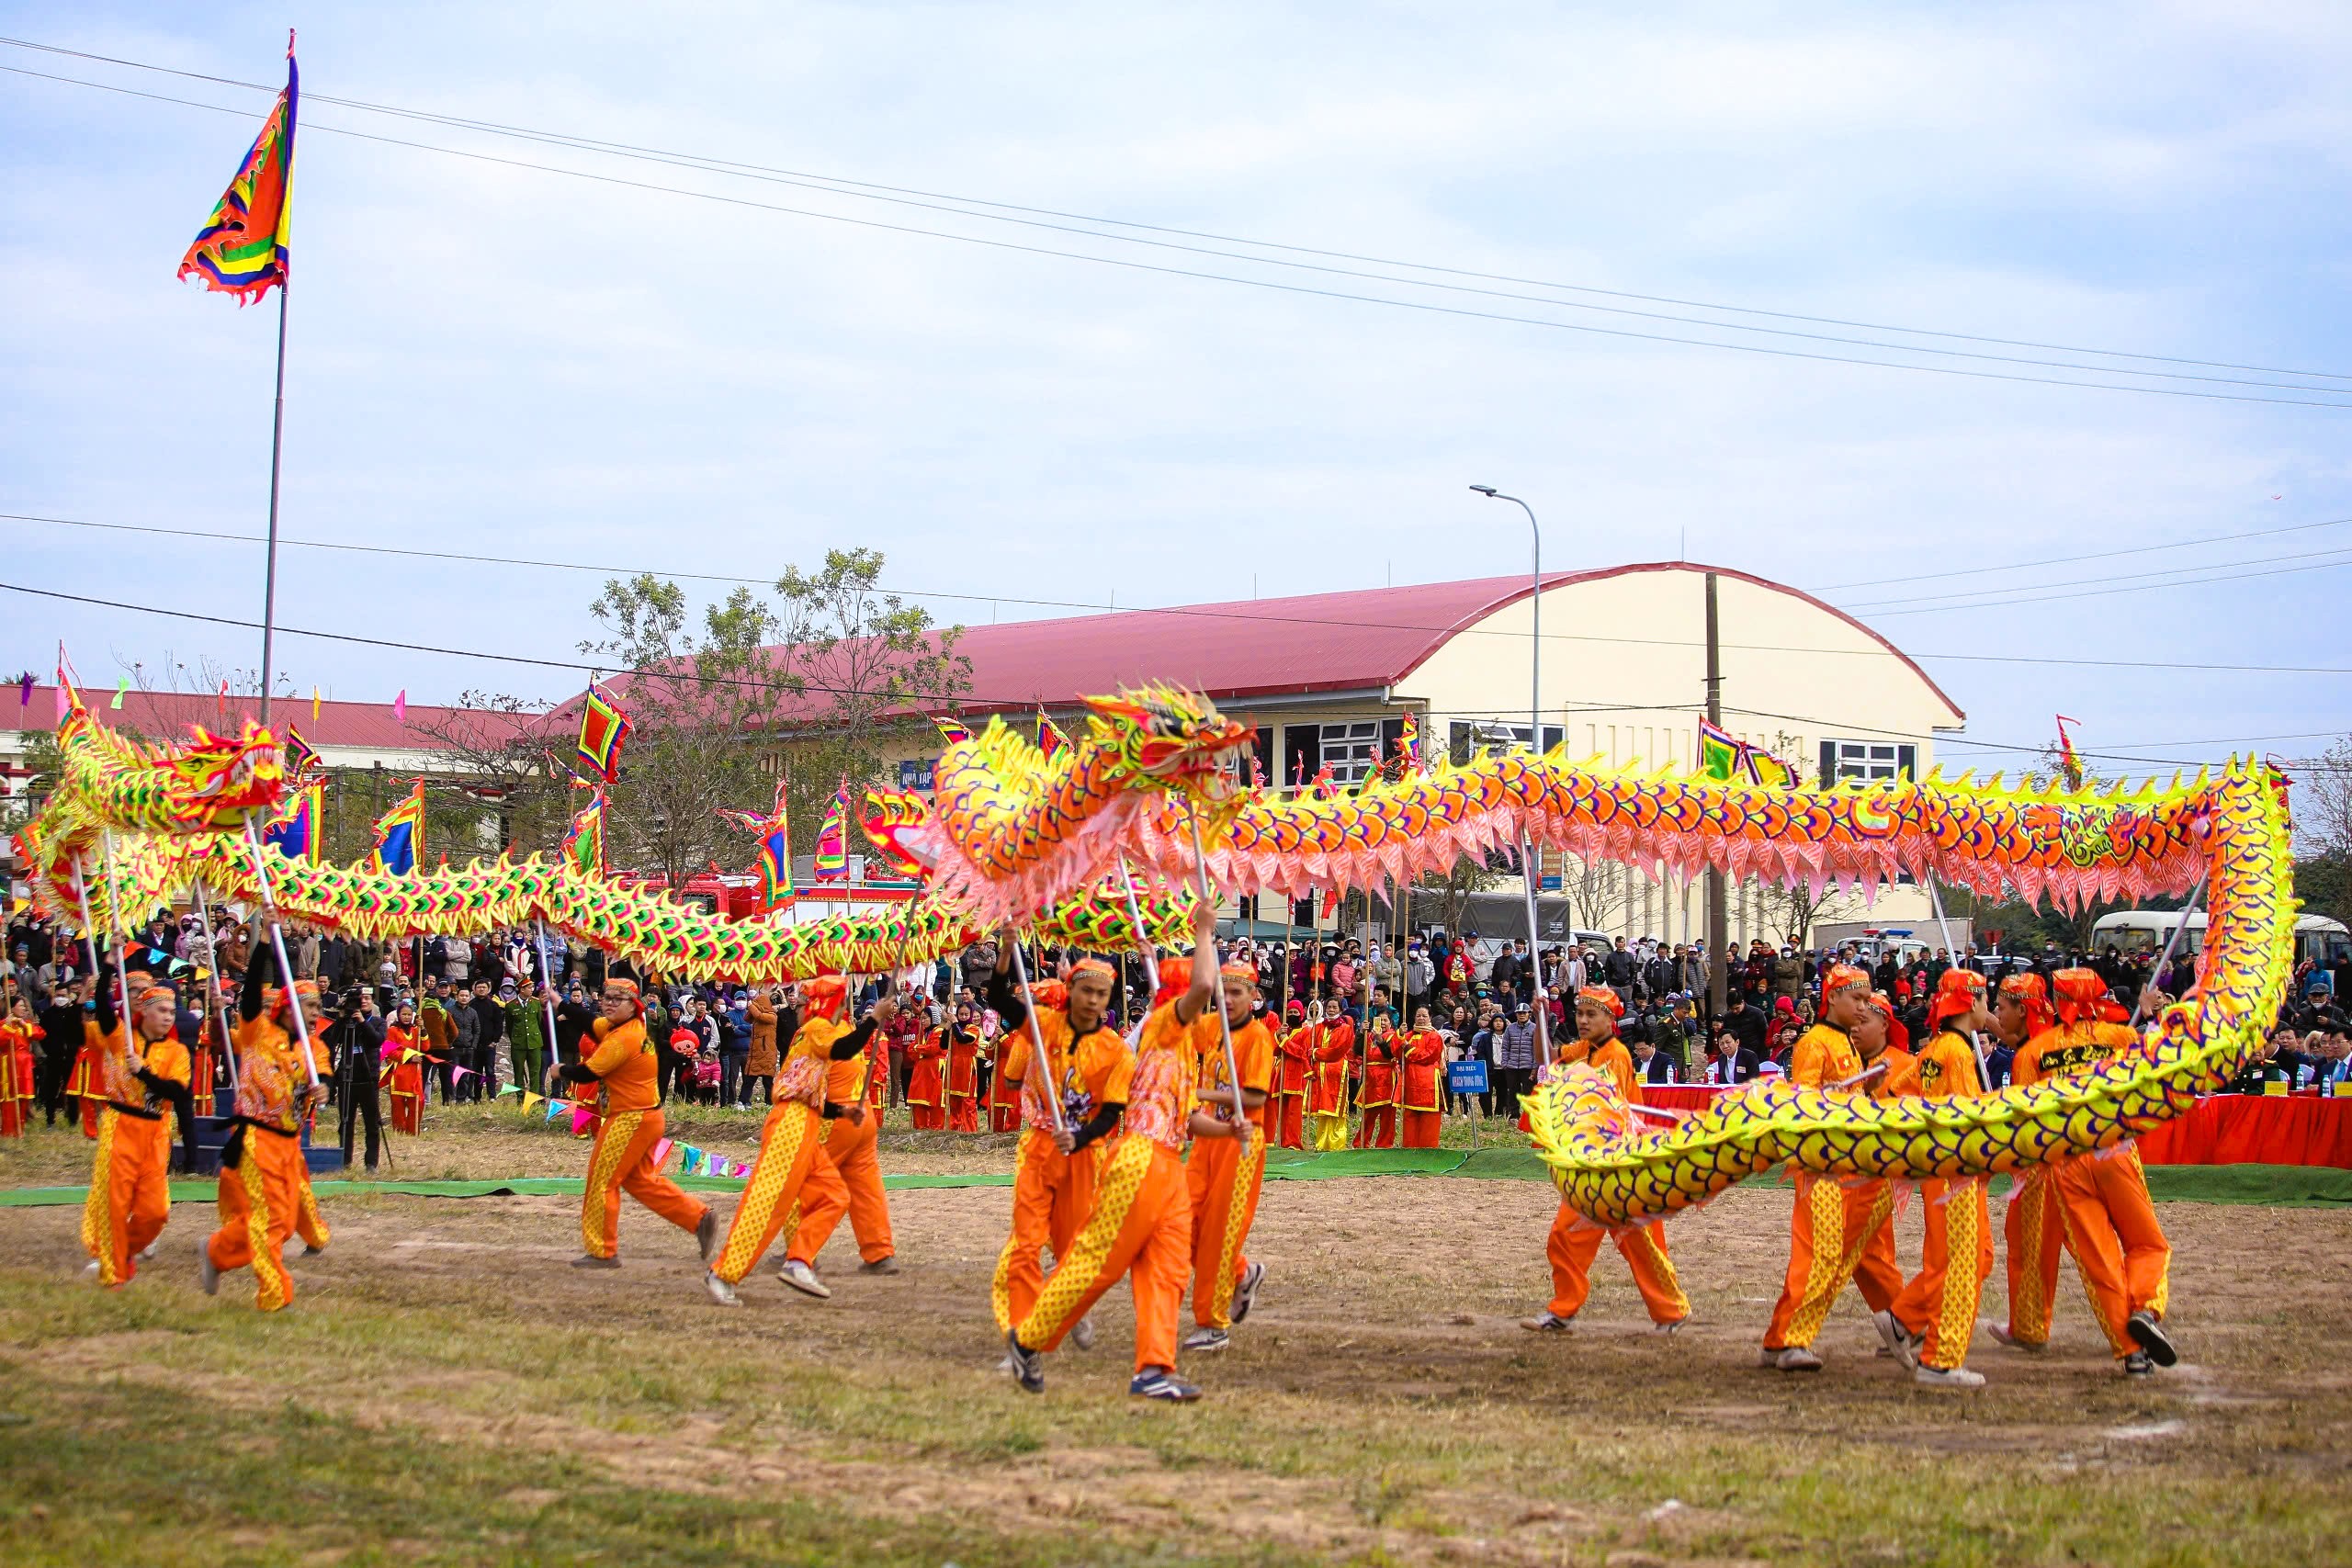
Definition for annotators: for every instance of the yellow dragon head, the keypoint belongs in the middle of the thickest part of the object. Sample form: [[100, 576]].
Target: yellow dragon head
[[1168, 739]]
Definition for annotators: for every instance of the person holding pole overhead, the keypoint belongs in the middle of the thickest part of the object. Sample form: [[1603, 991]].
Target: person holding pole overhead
[[261, 1193]]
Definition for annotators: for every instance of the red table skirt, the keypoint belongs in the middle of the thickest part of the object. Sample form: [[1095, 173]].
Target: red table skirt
[[2226, 1129]]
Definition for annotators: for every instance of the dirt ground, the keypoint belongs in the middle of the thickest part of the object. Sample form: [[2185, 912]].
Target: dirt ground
[[1381, 1406]]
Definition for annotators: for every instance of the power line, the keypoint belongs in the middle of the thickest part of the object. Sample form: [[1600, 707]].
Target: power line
[[1211, 613], [967, 206], [1423, 306], [2096, 554], [2313, 558], [2127, 588]]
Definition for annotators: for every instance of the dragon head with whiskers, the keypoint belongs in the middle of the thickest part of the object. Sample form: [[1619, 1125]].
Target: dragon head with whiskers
[[1168, 739]]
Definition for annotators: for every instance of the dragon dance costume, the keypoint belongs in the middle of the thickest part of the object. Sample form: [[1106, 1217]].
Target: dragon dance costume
[[1377, 1096], [265, 1173], [1092, 1076], [1937, 1310], [2097, 1205], [131, 1197], [1296, 1049], [1574, 1241], [857, 1062], [1223, 1176], [628, 1127]]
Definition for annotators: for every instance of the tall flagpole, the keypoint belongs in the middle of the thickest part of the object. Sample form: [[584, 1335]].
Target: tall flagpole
[[276, 446]]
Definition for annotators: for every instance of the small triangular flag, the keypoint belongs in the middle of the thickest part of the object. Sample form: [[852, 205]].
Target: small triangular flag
[[400, 706], [121, 688], [530, 1099], [314, 701]]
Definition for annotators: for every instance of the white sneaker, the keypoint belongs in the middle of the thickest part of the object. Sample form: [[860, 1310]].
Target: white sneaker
[[2001, 1335], [1081, 1334], [1797, 1358], [721, 1291], [91, 1266], [802, 1277], [1206, 1339], [1946, 1377], [1895, 1340], [147, 1253]]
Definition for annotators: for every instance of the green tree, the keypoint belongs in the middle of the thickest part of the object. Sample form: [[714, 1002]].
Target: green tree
[[817, 683]]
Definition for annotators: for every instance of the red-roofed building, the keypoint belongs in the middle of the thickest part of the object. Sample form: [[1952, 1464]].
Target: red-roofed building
[[1328, 678]]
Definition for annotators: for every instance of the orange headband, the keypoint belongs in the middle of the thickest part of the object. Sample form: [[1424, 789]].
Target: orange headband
[[1091, 966], [2082, 998], [1175, 976], [1603, 998], [1843, 977], [2027, 991], [1237, 970], [825, 995], [1958, 992]]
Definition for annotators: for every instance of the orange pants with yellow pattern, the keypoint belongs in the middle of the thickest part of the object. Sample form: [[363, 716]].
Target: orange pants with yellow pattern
[[1141, 1227], [131, 1192], [1839, 1232], [259, 1200], [1222, 1187], [1939, 1306], [855, 1190], [622, 1161], [1575, 1242]]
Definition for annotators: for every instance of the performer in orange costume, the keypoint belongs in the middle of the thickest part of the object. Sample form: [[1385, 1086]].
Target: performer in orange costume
[[963, 1074], [1090, 1071], [628, 1125], [1224, 1175], [2099, 1201], [1930, 1322], [404, 1046], [1422, 1093], [1334, 1046], [849, 1149], [1835, 1216], [1140, 1223], [926, 1080], [261, 1184], [2030, 1228], [16, 1036], [794, 1173], [130, 1195], [1297, 1068], [1575, 1240], [1004, 1093], [1377, 1098], [83, 1085]]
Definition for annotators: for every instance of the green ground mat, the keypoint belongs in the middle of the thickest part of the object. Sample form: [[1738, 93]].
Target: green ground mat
[[2274, 1186]]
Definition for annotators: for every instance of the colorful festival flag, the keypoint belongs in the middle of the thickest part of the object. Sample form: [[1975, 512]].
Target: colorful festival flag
[[1723, 755], [1050, 739], [952, 730], [2068, 763], [889, 814], [400, 835], [241, 249], [774, 859], [122, 688], [400, 706], [583, 840], [301, 758], [314, 704], [294, 827], [1409, 742], [603, 730], [832, 838]]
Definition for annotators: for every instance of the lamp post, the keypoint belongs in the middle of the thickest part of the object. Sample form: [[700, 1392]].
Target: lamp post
[[1535, 744]]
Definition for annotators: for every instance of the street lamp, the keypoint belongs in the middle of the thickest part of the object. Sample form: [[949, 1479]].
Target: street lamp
[[1535, 744]]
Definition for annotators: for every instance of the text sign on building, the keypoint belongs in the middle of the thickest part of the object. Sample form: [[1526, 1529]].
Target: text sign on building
[[914, 774]]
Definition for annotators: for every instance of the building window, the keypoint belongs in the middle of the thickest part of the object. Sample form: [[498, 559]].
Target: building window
[[1488, 738], [1351, 751], [1867, 762]]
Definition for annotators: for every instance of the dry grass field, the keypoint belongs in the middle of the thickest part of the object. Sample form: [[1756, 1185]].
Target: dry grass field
[[446, 1390]]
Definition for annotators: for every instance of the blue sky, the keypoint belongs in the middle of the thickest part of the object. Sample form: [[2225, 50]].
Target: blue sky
[[495, 359]]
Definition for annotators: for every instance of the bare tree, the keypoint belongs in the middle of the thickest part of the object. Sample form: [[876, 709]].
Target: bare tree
[[1598, 893]]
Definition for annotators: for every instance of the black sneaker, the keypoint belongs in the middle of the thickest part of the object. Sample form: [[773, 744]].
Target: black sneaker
[[1028, 1366], [2137, 1365], [1245, 1295], [1158, 1382], [2149, 1335]]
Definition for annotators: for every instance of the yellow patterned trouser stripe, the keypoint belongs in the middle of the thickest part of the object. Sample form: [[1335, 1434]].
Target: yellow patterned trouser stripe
[[1663, 1267], [769, 1173], [1247, 1174], [2029, 1308], [1956, 1304], [613, 1137], [272, 1290], [1116, 1187], [98, 1214], [1832, 1265], [308, 1220]]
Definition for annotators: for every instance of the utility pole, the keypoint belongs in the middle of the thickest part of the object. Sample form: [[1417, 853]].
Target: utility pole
[[1718, 921]]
